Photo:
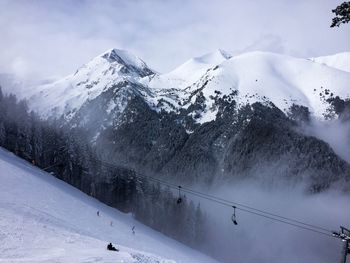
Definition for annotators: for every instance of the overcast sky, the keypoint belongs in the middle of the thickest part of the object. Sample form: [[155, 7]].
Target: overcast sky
[[53, 38]]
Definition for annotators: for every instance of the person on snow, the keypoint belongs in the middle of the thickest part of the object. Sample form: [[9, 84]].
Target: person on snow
[[111, 247], [98, 213]]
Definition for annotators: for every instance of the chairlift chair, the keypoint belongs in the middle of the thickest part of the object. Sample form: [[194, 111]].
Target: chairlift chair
[[233, 217]]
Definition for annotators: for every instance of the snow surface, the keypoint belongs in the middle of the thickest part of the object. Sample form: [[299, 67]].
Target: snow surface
[[196, 67], [339, 61], [189, 72], [126, 57], [44, 219]]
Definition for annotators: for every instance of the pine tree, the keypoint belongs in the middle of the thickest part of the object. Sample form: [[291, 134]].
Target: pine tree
[[342, 14]]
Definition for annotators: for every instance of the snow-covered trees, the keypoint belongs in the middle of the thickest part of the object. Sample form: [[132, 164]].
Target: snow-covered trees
[[340, 107]]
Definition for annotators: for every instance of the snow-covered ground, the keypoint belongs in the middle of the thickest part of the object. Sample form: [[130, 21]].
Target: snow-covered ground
[[43, 219], [338, 61]]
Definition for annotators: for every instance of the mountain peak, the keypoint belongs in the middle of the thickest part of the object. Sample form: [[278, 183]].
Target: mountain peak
[[123, 57], [223, 53], [197, 66], [214, 58]]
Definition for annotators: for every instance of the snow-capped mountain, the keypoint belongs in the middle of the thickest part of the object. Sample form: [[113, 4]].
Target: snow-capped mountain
[[267, 77], [254, 76], [170, 87], [217, 119], [218, 116], [58, 223], [66, 96], [258, 76]]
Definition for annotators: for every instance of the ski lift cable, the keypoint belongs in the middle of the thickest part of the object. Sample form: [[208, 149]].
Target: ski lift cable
[[51, 166], [226, 203], [262, 215], [241, 207], [244, 207], [261, 211], [62, 149]]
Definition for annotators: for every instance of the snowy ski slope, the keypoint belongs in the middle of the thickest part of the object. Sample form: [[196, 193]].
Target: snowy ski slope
[[43, 219]]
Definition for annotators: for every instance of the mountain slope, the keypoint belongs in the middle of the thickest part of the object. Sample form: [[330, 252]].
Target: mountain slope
[[45, 220], [339, 61], [190, 71], [267, 77]]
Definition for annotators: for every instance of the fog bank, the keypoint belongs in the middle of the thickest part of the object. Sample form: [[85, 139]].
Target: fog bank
[[258, 239]]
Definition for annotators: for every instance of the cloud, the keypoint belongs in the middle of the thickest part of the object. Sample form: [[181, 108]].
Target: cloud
[[335, 132], [259, 239], [42, 39], [272, 43]]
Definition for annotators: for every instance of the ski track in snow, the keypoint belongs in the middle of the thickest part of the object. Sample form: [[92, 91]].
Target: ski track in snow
[[43, 219]]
